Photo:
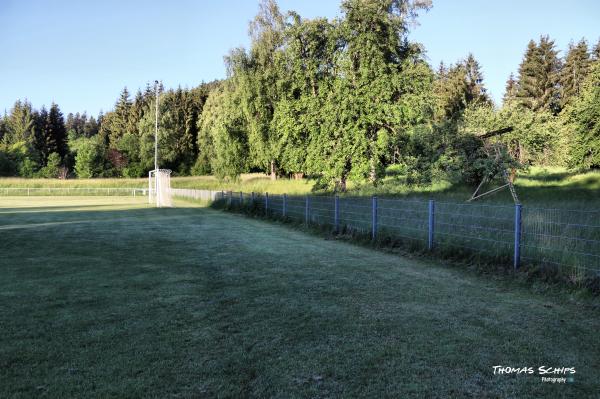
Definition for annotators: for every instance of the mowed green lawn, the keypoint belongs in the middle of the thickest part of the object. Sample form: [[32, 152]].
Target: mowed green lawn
[[107, 297]]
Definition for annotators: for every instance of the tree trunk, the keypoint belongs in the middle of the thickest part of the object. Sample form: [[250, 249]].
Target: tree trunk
[[273, 174], [341, 186]]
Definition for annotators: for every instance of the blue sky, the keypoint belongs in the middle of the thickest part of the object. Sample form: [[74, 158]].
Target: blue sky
[[80, 54]]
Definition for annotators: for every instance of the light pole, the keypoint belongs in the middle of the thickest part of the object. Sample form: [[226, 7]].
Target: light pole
[[156, 174], [156, 129]]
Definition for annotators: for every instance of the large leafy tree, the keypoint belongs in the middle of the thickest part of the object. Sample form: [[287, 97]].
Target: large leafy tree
[[374, 95], [259, 76], [310, 50], [222, 132]]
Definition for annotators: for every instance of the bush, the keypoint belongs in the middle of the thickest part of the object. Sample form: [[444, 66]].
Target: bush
[[7, 166], [88, 161], [52, 168], [27, 168]]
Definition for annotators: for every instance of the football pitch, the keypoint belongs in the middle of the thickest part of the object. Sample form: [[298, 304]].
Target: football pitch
[[108, 297]]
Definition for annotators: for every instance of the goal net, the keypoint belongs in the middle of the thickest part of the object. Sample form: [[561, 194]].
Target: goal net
[[159, 187]]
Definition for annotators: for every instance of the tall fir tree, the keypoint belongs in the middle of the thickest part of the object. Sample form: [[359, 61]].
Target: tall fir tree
[[596, 51], [55, 132], [539, 77], [511, 90], [20, 123], [475, 89], [585, 117], [574, 71]]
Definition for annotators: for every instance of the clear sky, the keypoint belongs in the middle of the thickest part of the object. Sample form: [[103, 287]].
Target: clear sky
[[80, 54]]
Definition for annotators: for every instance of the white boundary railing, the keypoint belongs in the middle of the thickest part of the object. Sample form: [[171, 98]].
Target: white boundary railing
[[74, 191]]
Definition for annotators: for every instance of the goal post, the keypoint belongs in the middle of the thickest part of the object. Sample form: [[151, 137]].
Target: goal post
[[159, 188]]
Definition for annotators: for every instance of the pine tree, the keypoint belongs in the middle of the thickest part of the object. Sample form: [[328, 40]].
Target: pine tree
[[55, 132], [70, 122], [512, 87], [115, 124], [90, 128], [39, 143], [574, 71], [585, 115], [475, 90], [596, 51], [538, 77], [19, 123]]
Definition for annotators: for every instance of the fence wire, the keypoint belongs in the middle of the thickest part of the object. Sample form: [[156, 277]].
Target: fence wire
[[565, 239]]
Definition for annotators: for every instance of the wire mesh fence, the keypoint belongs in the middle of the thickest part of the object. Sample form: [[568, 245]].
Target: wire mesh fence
[[474, 229], [563, 239], [568, 240]]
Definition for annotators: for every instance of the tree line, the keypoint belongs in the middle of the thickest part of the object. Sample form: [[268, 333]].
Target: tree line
[[338, 99]]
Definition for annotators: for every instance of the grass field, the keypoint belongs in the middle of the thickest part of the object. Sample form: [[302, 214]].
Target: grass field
[[106, 297], [554, 187]]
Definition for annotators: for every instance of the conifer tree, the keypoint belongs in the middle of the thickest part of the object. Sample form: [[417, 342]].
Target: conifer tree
[[475, 90], [19, 123], [596, 51], [574, 71], [539, 77], [55, 132], [511, 90], [585, 116]]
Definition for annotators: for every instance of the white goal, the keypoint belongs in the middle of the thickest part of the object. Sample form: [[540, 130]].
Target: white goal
[[159, 188]]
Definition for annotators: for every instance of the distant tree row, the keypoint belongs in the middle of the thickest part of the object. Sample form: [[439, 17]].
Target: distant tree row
[[119, 143], [340, 100]]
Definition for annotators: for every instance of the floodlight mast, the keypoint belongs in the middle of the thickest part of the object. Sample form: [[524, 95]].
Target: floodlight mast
[[156, 179], [156, 128]]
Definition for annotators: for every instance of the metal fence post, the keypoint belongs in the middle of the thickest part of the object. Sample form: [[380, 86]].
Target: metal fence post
[[431, 224], [241, 199], [284, 206], [229, 196], [374, 217], [517, 256], [266, 204], [336, 214], [252, 198], [307, 209]]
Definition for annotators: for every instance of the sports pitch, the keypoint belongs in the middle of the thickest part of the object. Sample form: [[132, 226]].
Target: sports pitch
[[108, 297]]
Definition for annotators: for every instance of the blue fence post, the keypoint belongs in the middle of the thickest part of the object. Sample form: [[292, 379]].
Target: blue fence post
[[374, 217], [284, 206], [336, 214], [252, 198], [266, 204], [431, 224], [517, 256], [307, 210]]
